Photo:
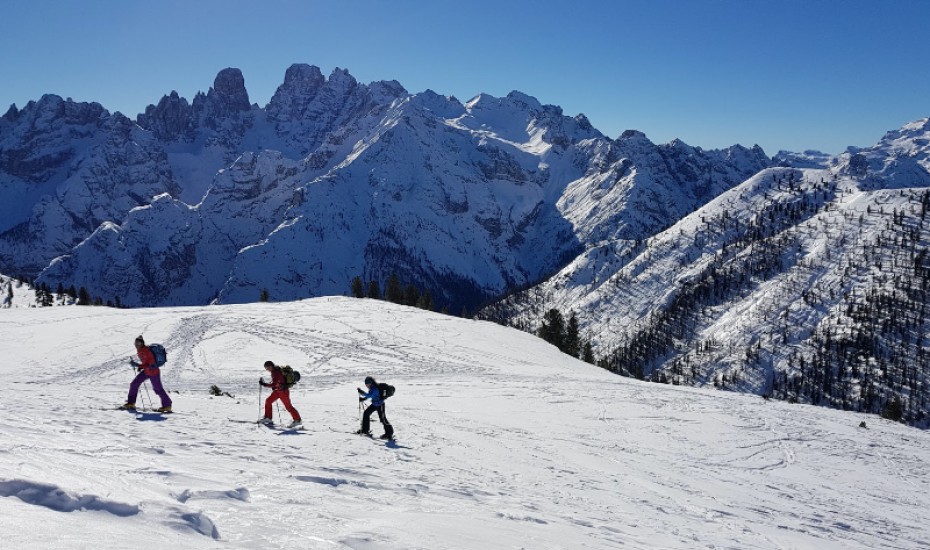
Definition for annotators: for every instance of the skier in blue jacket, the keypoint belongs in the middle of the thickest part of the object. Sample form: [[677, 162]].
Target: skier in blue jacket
[[377, 404]]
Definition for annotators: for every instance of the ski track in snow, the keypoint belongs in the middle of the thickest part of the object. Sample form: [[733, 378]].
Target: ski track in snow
[[502, 443]]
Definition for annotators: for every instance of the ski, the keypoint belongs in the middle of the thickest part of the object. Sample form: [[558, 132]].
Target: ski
[[369, 436], [387, 440], [278, 427], [136, 410], [284, 430], [282, 427], [352, 433]]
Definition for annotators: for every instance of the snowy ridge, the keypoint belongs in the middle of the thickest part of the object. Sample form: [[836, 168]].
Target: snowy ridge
[[502, 442]]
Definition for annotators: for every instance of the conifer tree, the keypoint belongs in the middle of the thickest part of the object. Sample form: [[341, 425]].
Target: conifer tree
[[394, 291], [374, 290], [40, 301], [411, 295], [893, 410], [552, 329], [572, 344], [358, 288], [588, 354], [425, 301]]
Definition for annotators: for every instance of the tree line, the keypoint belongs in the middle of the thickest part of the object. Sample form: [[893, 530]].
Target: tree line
[[395, 292], [46, 297]]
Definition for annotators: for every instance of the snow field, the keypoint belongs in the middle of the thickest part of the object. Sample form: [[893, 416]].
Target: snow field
[[502, 442]]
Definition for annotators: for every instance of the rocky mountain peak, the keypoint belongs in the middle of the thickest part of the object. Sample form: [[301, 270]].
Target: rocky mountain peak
[[301, 85], [301, 76], [224, 109], [229, 90], [908, 140], [583, 122], [341, 80], [629, 135], [444, 107], [11, 114], [386, 91], [170, 119], [52, 107], [524, 101]]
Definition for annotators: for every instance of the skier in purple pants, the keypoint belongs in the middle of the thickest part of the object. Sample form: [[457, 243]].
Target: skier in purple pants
[[147, 371]]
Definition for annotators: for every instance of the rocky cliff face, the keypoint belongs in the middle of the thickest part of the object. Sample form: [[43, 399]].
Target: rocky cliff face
[[66, 169]]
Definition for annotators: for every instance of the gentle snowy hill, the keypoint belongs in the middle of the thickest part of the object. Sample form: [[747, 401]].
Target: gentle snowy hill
[[503, 442]]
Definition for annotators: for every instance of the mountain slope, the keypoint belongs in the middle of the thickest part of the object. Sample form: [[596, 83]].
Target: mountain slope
[[66, 168], [502, 441], [802, 284]]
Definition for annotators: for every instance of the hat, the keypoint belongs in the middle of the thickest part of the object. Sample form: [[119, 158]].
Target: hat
[[140, 339], [268, 364], [369, 380]]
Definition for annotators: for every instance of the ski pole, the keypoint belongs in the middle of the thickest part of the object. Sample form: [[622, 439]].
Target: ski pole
[[278, 406], [133, 367], [147, 394], [260, 413]]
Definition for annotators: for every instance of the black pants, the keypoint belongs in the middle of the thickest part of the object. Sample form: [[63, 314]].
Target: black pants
[[366, 419]]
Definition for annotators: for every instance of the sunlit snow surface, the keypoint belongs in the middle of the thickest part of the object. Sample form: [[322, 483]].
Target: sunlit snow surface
[[502, 442]]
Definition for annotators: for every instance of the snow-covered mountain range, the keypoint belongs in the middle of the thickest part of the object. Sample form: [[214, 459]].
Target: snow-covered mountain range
[[217, 199]]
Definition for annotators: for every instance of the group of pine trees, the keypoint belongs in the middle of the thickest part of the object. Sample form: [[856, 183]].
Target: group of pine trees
[[564, 335], [46, 297], [394, 292]]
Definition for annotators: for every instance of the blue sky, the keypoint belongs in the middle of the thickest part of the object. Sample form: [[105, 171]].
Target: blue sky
[[788, 74]]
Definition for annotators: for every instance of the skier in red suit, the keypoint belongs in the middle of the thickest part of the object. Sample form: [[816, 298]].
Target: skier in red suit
[[279, 390]]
